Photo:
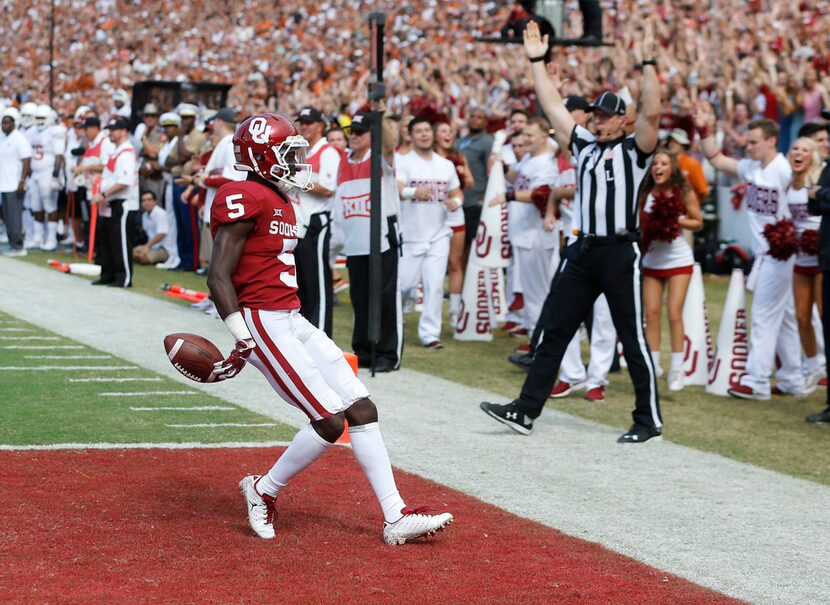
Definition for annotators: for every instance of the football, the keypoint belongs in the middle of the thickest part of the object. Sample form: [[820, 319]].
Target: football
[[192, 355]]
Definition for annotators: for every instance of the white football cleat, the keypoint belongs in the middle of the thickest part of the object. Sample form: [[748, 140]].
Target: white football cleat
[[261, 510], [413, 525], [676, 379]]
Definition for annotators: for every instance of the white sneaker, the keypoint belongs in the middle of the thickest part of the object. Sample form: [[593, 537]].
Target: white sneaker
[[13, 252], [414, 525], [811, 381], [453, 320], [50, 245], [676, 379], [32, 243], [261, 510]]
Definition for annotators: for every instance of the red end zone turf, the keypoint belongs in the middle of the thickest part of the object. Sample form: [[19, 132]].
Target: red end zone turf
[[170, 526]]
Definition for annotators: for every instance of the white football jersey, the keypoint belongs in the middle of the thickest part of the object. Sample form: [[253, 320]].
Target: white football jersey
[[525, 227], [766, 196], [47, 143], [425, 221]]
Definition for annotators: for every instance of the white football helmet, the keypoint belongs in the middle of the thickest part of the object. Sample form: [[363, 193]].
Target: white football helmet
[[43, 113], [27, 114]]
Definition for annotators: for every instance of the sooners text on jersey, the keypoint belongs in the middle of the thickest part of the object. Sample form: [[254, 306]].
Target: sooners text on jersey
[[762, 200], [265, 277]]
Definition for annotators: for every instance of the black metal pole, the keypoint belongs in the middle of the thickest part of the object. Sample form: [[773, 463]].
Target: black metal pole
[[52, 56], [377, 23]]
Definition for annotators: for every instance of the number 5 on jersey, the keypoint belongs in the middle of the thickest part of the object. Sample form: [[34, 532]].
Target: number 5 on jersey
[[236, 209], [289, 277]]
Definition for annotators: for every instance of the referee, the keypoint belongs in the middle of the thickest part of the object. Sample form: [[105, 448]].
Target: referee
[[605, 257]]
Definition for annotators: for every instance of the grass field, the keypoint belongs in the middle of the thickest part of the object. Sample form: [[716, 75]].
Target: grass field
[[770, 434]]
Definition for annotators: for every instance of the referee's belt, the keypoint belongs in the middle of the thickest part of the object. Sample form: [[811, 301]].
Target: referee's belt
[[621, 237]]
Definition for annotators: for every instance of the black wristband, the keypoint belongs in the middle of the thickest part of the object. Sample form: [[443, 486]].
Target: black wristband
[[537, 59], [510, 196], [651, 62]]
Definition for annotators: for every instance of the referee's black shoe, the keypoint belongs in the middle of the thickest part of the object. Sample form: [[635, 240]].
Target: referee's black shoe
[[640, 434], [522, 361], [822, 417], [510, 415]]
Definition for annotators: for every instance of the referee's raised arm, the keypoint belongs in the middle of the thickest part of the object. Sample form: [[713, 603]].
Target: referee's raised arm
[[648, 119], [547, 87]]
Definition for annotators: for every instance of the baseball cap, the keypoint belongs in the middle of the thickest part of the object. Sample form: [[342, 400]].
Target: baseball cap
[[575, 102], [226, 114], [150, 109], [680, 135], [360, 122], [187, 110], [309, 115], [118, 123], [91, 121], [120, 95], [170, 119], [609, 103]]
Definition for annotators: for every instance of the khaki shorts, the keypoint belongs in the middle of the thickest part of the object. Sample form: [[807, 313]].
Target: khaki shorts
[[159, 255]]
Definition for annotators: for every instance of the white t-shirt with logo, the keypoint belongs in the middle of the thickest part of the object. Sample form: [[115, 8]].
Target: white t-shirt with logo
[[14, 148], [425, 221], [154, 222], [525, 224], [766, 196]]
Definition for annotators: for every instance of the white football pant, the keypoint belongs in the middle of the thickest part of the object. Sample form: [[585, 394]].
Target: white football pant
[[603, 349], [537, 266], [426, 263]]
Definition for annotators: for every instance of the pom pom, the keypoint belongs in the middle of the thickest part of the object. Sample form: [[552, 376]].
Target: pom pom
[[738, 192], [661, 223], [782, 239], [539, 196], [808, 244]]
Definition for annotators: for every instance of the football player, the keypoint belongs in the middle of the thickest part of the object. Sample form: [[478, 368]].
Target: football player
[[253, 282]]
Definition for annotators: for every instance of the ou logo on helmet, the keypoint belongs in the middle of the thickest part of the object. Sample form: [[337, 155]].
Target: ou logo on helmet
[[260, 130]]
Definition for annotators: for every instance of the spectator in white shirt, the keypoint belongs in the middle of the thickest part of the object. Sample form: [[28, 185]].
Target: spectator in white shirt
[[155, 224], [15, 158]]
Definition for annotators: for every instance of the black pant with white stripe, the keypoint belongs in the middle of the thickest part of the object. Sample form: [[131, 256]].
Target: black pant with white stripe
[[314, 273], [585, 273], [113, 245]]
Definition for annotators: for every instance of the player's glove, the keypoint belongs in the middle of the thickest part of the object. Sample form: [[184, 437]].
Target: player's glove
[[233, 364]]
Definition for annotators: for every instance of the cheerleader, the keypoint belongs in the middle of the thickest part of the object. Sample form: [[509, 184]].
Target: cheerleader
[[444, 146], [806, 164], [667, 205]]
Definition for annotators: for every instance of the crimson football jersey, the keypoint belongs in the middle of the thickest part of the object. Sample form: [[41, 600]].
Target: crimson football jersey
[[265, 277]]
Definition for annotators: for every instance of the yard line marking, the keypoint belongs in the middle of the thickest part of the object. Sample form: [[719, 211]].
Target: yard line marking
[[30, 338], [15, 330], [143, 393], [219, 424], [144, 379], [67, 356], [73, 368], [194, 408], [41, 347], [144, 446]]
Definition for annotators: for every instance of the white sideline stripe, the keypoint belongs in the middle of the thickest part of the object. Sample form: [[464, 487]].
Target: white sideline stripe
[[143, 393], [219, 424], [193, 408], [30, 337], [15, 330], [156, 379], [67, 357], [73, 368], [143, 446], [41, 347]]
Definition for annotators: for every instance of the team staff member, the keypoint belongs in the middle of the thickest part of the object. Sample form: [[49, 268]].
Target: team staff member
[[773, 329], [252, 280], [15, 160], [605, 258], [117, 207], [819, 203], [352, 208], [154, 222], [429, 190], [314, 220]]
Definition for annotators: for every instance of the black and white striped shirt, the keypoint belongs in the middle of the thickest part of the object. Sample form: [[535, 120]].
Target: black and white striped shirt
[[608, 180]]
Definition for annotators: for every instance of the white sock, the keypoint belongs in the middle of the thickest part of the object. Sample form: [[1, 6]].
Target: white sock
[[38, 231], [305, 448], [52, 230], [455, 302], [655, 357], [676, 360], [813, 364], [371, 454]]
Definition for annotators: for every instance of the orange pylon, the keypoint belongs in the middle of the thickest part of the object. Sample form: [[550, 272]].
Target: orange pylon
[[352, 359]]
